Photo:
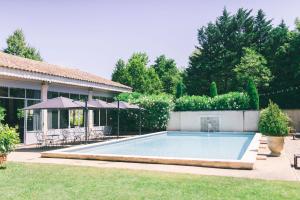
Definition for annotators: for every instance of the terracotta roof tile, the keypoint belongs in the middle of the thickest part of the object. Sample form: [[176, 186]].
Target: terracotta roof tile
[[16, 62]]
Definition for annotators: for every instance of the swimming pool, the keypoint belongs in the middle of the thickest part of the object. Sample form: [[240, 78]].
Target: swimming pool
[[217, 149]]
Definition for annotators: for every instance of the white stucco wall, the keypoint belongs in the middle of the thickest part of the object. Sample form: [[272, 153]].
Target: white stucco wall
[[228, 120]]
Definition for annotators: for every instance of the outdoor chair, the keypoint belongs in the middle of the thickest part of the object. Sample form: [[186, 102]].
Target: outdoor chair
[[296, 135], [52, 138], [66, 136], [78, 133], [107, 130], [97, 132], [39, 138]]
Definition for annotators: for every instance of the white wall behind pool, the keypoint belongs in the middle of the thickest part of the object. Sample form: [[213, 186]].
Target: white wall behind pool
[[236, 121]]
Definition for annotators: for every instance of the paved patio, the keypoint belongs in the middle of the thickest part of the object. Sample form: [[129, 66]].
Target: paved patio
[[272, 168]]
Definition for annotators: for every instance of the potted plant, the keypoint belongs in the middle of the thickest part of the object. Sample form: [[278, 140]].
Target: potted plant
[[274, 124], [8, 141]]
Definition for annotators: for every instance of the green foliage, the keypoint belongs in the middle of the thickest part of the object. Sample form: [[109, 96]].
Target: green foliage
[[229, 101], [253, 95], [179, 89], [273, 122], [154, 85], [154, 117], [120, 73], [129, 97], [168, 73], [137, 75], [8, 139], [284, 60], [16, 45], [163, 76], [273, 64], [253, 66], [2, 114], [193, 103], [213, 89], [220, 49]]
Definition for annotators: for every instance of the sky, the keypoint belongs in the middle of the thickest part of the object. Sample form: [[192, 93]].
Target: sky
[[92, 35]]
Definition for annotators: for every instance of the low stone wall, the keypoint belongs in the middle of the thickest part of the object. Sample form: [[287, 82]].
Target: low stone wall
[[235, 121]]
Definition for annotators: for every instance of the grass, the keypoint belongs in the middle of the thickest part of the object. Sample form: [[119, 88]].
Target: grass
[[40, 181]]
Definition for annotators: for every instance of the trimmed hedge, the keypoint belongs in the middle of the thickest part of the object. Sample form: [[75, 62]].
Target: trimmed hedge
[[229, 101], [155, 116]]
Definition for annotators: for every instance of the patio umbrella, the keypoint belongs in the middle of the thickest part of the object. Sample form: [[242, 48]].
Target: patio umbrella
[[101, 104], [124, 105], [64, 103], [59, 103]]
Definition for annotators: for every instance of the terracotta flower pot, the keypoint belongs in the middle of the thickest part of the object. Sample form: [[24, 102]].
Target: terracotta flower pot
[[3, 158], [275, 144]]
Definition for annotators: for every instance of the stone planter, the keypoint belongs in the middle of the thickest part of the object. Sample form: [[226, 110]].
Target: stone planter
[[3, 158], [275, 144]]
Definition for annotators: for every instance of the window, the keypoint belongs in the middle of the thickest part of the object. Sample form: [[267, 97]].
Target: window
[[62, 94], [33, 94], [52, 95], [96, 117], [3, 91], [83, 97], [103, 120], [109, 99], [74, 96], [53, 119], [96, 97], [76, 118], [33, 117], [17, 92], [63, 119]]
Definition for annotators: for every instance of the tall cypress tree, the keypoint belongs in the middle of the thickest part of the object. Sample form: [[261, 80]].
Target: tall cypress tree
[[253, 95], [213, 89], [179, 90]]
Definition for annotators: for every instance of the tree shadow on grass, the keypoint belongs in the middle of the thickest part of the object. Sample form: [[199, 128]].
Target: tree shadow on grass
[[2, 167]]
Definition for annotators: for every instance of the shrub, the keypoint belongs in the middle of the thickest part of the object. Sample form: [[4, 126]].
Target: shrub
[[229, 101], [8, 139], [155, 116], [273, 122], [193, 103], [128, 97], [253, 95], [2, 114], [213, 89]]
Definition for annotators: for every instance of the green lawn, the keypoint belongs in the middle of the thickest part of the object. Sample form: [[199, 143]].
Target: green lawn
[[39, 181]]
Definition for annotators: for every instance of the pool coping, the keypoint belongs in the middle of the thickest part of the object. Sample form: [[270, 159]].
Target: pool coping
[[246, 162]]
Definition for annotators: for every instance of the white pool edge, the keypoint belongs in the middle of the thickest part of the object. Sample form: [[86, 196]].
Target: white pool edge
[[246, 162]]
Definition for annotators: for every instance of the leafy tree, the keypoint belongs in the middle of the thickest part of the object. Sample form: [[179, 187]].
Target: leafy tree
[[219, 51], [16, 45], [137, 75], [120, 73], [213, 89], [179, 89], [137, 70], [168, 73], [153, 82], [261, 31], [253, 66], [253, 95]]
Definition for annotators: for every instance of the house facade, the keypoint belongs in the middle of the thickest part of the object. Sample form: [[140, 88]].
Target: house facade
[[24, 82]]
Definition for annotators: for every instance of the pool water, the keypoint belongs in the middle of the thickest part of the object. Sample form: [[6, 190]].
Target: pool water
[[196, 145]]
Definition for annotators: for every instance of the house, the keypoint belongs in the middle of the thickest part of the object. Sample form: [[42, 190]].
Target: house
[[24, 82]]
